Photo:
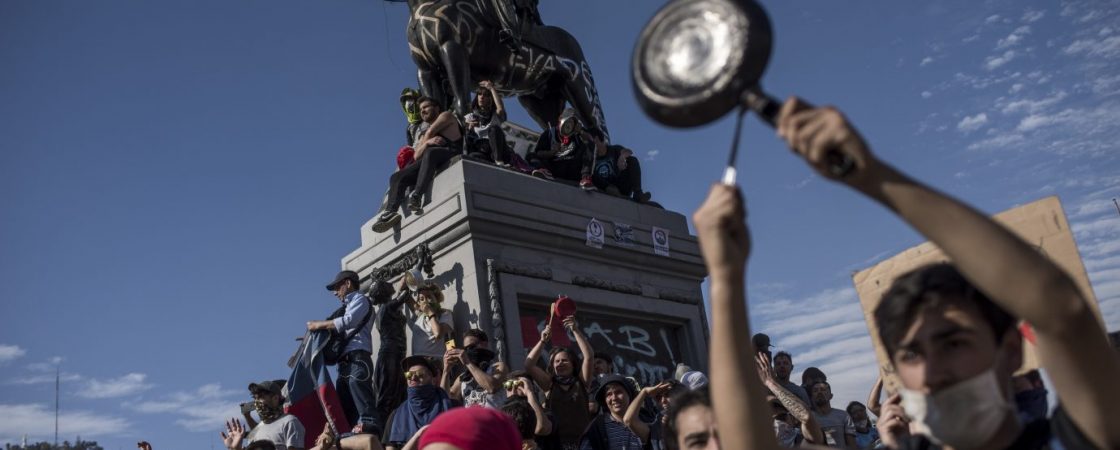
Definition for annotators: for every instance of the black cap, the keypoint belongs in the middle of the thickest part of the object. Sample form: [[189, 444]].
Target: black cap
[[601, 393], [343, 276], [270, 386], [761, 342], [420, 360]]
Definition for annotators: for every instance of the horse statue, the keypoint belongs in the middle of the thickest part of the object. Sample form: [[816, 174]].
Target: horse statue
[[456, 43]]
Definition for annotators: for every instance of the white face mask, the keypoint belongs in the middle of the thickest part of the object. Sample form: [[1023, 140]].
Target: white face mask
[[963, 416]]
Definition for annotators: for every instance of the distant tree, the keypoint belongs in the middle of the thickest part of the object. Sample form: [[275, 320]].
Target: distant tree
[[66, 445]]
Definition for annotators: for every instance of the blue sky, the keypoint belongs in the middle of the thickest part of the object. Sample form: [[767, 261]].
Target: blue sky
[[178, 179]]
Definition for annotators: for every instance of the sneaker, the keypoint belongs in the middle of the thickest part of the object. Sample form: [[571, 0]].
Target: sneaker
[[586, 184], [386, 220], [414, 204], [542, 173], [642, 197]]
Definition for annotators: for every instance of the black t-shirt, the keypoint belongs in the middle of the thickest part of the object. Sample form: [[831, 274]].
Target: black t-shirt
[[1057, 432]]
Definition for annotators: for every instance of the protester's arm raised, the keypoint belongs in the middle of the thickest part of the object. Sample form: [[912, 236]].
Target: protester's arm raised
[[798, 409], [535, 372], [738, 399], [587, 370], [1071, 343], [873, 402], [631, 420]]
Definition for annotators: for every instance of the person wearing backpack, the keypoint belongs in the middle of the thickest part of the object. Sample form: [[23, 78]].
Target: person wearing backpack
[[355, 364]]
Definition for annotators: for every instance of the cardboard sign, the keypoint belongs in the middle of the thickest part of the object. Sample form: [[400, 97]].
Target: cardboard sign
[[660, 238], [594, 233], [1042, 224]]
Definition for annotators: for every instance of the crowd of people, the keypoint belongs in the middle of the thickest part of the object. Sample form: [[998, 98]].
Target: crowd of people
[[565, 151], [950, 330]]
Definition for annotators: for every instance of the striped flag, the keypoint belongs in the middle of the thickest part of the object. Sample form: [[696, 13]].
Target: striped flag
[[311, 395]]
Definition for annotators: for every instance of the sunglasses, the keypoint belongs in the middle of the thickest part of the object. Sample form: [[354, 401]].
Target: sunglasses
[[413, 375], [513, 384]]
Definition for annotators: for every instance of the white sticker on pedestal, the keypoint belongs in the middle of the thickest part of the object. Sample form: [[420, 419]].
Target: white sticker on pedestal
[[660, 241], [594, 234]]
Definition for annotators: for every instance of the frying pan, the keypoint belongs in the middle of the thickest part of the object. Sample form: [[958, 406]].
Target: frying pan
[[696, 60]]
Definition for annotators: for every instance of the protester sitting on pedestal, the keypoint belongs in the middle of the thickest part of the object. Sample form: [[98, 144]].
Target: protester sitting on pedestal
[[565, 388], [565, 152], [354, 326], [609, 430], [617, 171], [441, 141], [485, 137], [520, 389], [282, 430], [867, 435], [423, 403], [430, 323], [790, 413]]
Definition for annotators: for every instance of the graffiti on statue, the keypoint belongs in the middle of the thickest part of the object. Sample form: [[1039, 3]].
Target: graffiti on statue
[[644, 349]]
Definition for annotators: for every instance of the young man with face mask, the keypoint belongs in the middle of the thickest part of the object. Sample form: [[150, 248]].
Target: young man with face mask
[[423, 403], [948, 329], [867, 436], [282, 430]]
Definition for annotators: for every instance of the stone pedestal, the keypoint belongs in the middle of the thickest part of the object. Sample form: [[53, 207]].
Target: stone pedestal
[[505, 244]]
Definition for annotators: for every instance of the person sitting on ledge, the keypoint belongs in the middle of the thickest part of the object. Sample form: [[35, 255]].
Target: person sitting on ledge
[[566, 152], [617, 171], [441, 142], [485, 138]]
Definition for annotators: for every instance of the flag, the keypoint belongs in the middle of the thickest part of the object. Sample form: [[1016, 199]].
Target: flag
[[311, 395]]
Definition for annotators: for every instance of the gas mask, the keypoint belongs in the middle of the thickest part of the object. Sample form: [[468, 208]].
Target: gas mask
[[570, 126], [267, 412], [964, 415]]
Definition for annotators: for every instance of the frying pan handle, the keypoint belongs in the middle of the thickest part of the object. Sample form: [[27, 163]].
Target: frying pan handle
[[767, 108]]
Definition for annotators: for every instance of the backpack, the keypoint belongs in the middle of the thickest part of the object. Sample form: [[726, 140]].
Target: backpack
[[336, 344]]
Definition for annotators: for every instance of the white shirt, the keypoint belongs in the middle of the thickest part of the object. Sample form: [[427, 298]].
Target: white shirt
[[285, 432]]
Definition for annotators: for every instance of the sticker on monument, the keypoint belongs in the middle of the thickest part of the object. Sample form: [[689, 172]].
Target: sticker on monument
[[623, 234], [594, 233], [660, 241]]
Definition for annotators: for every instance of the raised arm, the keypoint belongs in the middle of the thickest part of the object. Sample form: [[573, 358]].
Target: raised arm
[[445, 383], [631, 420], [798, 409], [538, 374], [587, 372], [1071, 342], [544, 426], [499, 107], [873, 398], [725, 244]]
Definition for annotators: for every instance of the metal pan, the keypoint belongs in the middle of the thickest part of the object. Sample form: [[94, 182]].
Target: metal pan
[[696, 60]]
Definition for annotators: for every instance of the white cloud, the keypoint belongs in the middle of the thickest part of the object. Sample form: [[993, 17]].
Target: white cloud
[[996, 141], [927, 94], [128, 384], [925, 61], [1103, 226], [992, 19], [1015, 88], [972, 123], [652, 155], [1031, 106], [9, 353], [1014, 38], [1032, 16], [204, 409], [37, 421], [42, 378], [1035, 121], [994, 62], [1107, 48]]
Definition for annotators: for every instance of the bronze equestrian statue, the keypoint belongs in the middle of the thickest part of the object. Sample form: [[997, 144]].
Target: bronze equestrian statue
[[457, 43]]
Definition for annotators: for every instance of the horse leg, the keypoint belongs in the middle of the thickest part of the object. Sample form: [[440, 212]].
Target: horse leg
[[431, 85], [456, 66], [544, 111]]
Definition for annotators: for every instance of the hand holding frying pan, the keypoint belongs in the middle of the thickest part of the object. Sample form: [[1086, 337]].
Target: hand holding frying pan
[[698, 59]]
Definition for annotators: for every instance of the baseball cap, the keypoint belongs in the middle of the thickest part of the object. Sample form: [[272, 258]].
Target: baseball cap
[[761, 342], [694, 379], [270, 386], [343, 276]]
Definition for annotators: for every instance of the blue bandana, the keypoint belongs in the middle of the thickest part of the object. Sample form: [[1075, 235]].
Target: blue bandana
[[423, 404]]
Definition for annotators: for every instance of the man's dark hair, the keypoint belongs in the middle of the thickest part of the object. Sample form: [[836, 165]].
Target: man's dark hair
[[782, 353], [261, 445], [814, 385], [420, 102], [811, 373], [853, 404], [927, 287], [475, 332], [605, 357], [522, 414], [680, 402]]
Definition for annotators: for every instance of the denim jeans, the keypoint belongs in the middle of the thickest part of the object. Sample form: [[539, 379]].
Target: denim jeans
[[355, 391]]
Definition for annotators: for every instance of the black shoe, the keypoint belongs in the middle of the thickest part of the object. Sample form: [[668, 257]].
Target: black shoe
[[642, 197], [414, 204], [386, 220]]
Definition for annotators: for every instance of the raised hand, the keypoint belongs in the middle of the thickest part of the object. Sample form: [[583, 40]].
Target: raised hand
[[546, 334], [765, 371], [233, 435], [813, 132], [722, 230], [893, 424], [486, 84], [570, 323], [658, 390]]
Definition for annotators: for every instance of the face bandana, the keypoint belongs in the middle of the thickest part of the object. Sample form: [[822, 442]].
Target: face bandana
[[963, 416], [268, 413]]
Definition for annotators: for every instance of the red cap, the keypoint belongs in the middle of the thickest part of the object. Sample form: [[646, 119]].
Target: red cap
[[474, 428]]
